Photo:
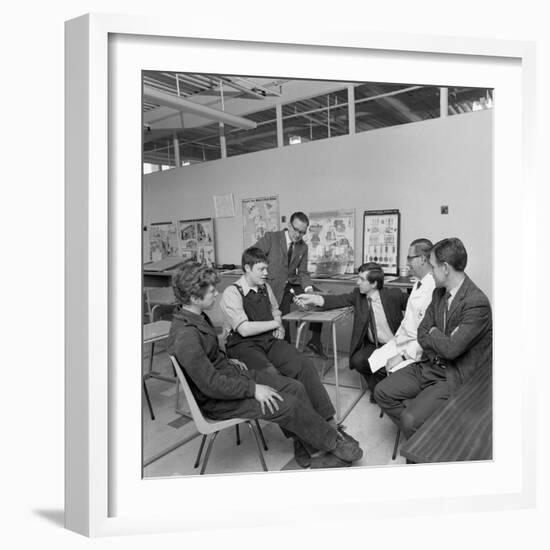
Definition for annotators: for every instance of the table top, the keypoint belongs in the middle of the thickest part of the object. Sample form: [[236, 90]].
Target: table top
[[461, 430], [156, 331], [318, 316], [406, 282], [167, 273]]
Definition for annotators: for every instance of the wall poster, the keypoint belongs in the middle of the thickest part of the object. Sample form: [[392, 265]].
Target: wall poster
[[196, 239], [331, 242], [381, 230], [259, 215], [163, 241]]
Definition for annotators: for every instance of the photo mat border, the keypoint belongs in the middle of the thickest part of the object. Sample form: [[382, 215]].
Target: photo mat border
[[90, 441]]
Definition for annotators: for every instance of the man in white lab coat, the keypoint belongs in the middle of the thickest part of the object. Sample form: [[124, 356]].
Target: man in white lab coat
[[404, 349]]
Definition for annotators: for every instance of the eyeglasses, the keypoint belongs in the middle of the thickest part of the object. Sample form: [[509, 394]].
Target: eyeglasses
[[299, 231], [409, 258]]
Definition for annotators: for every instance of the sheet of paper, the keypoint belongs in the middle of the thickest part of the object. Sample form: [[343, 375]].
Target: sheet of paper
[[380, 356], [224, 206]]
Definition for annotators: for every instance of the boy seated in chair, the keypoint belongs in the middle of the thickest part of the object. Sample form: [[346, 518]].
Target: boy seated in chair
[[226, 388], [256, 333]]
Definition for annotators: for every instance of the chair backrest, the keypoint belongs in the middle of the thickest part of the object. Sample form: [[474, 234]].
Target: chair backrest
[[200, 421], [162, 312], [158, 295]]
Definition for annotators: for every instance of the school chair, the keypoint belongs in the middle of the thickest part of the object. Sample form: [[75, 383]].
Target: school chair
[[210, 428]]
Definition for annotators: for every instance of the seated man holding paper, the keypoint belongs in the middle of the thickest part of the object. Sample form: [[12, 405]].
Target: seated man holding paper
[[225, 388], [404, 349], [378, 314]]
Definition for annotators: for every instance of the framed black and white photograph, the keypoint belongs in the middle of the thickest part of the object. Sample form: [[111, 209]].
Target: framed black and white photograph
[[393, 122]]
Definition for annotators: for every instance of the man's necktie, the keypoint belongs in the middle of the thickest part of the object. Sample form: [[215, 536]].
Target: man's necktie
[[418, 284], [372, 323], [446, 304], [290, 251]]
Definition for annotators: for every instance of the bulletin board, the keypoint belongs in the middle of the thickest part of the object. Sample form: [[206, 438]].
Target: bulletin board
[[331, 242], [259, 215], [196, 239], [163, 241], [381, 239]]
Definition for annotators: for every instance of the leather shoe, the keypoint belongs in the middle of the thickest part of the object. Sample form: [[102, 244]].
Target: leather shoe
[[328, 460], [345, 436], [316, 348], [347, 450]]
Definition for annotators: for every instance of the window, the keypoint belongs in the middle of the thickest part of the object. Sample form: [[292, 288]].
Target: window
[[381, 105], [316, 118], [467, 100]]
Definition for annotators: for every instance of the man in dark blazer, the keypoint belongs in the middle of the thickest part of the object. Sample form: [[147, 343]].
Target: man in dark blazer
[[456, 336], [287, 254], [378, 314]]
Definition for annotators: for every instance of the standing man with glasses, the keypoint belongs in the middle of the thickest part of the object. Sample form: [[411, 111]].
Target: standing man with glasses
[[456, 335], [404, 348], [287, 255]]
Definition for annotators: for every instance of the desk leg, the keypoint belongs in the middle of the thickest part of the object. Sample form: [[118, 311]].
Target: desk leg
[[336, 387], [154, 374], [299, 330], [362, 391]]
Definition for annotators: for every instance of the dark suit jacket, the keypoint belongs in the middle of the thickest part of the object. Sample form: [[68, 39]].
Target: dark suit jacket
[[273, 243], [393, 301], [471, 346]]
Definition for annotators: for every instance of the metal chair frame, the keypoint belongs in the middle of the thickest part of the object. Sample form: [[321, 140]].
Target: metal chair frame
[[210, 428]]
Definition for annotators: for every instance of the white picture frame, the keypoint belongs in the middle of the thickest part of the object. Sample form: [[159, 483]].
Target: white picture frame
[[104, 56]]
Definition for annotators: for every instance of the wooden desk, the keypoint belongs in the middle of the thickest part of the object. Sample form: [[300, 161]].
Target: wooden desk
[[332, 316], [158, 278], [155, 332], [462, 429]]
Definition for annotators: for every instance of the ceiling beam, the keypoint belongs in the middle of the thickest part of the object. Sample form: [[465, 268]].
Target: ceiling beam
[[181, 104]]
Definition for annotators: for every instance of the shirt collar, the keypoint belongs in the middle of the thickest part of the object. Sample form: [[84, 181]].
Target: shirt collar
[[287, 238], [426, 277], [375, 296], [454, 290], [242, 282]]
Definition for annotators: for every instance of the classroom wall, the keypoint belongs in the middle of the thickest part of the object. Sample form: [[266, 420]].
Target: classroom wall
[[414, 167]]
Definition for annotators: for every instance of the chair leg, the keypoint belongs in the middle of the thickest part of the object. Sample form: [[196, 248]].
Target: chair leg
[[146, 391], [177, 406], [208, 450], [261, 434], [257, 439], [151, 356], [238, 435], [200, 452], [396, 443]]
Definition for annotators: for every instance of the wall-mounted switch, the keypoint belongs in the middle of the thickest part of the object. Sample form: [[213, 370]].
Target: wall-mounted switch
[[444, 209]]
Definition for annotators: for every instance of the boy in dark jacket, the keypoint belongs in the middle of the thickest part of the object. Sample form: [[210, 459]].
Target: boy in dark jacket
[[225, 388]]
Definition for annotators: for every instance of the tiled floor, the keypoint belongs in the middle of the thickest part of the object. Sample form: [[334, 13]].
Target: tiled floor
[[376, 435]]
